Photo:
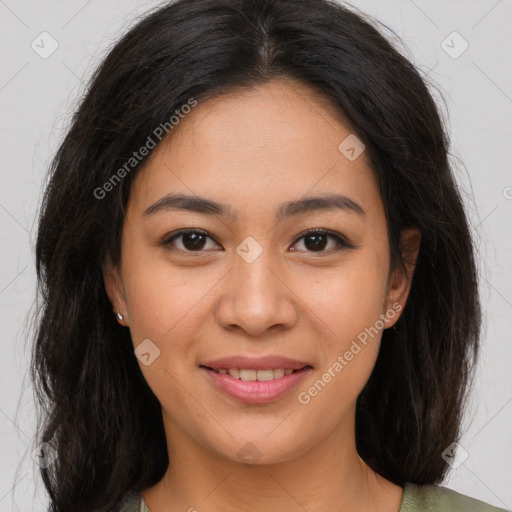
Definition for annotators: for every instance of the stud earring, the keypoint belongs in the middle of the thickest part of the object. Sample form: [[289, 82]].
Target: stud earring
[[119, 316]]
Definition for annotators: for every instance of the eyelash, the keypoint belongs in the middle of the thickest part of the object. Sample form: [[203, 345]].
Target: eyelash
[[340, 240]]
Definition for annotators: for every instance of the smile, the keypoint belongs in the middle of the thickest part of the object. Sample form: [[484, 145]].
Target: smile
[[252, 375], [254, 386]]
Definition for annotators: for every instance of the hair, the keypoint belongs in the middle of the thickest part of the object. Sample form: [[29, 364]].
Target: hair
[[98, 412]]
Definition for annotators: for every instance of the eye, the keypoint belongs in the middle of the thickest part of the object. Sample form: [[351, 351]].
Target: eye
[[315, 240], [192, 240]]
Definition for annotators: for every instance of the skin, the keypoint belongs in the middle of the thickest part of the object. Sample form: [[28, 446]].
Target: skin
[[254, 150]]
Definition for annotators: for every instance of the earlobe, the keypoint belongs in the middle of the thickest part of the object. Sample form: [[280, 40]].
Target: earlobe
[[115, 292], [400, 280]]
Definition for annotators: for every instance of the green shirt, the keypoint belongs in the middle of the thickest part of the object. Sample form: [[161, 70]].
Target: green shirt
[[416, 498]]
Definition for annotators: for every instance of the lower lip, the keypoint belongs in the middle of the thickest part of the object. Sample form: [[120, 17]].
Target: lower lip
[[256, 392]]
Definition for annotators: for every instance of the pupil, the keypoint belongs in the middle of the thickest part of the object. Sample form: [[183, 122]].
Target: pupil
[[318, 244], [197, 241]]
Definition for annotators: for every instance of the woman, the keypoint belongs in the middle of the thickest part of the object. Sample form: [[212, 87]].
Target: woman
[[259, 287]]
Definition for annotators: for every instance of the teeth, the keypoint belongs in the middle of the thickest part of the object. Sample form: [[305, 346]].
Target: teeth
[[264, 375], [253, 375], [278, 373], [248, 374], [234, 373]]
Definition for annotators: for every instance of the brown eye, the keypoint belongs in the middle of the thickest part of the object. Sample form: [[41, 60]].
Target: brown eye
[[189, 241], [318, 239], [315, 241]]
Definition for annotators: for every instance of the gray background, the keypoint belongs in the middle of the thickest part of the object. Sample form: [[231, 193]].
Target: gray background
[[37, 96]]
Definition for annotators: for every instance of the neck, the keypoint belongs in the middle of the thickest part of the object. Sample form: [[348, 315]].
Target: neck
[[331, 476]]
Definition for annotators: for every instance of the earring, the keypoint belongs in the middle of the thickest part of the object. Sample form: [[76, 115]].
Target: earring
[[119, 316]]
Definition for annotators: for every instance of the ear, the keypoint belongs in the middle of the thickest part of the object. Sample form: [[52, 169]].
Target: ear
[[399, 283], [115, 291]]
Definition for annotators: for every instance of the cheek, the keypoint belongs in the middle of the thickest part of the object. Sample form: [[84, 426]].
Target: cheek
[[349, 303], [164, 306], [348, 299], [349, 306], [160, 299]]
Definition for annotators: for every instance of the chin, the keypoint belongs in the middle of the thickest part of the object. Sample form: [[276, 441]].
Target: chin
[[260, 450]]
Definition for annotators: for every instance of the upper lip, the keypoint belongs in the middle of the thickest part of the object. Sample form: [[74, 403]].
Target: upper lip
[[255, 363]]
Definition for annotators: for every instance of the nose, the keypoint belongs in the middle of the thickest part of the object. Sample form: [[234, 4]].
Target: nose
[[256, 297]]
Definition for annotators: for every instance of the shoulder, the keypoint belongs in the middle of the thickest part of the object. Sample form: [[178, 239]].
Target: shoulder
[[416, 498], [435, 498]]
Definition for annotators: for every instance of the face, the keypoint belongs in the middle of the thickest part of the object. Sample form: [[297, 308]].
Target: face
[[248, 278]]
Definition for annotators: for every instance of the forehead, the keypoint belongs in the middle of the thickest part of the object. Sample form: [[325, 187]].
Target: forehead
[[254, 147]]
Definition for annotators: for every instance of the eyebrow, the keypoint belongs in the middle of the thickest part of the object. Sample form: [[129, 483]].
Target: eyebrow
[[328, 202]]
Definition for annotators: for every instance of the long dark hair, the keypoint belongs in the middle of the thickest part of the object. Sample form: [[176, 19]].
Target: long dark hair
[[97, 409]]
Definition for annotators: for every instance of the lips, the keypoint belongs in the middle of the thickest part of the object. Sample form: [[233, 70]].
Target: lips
[[252, 375], [255, 363], [256, 380]]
